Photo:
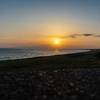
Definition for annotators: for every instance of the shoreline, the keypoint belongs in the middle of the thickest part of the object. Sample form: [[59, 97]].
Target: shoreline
[[49, 56], [81, 60]]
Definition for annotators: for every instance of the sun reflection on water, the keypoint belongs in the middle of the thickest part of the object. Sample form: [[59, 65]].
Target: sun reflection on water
[[56, 52]]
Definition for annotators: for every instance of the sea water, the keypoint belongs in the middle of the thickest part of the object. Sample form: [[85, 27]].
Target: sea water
[[12, 54]]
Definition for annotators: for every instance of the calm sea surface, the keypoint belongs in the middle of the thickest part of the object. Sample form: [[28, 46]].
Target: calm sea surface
[[11, 54]]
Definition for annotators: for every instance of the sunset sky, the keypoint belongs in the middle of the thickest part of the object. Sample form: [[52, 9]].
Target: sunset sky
[[39, 23]]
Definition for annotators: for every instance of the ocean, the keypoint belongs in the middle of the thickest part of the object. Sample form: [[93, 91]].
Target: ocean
[[12, 54]]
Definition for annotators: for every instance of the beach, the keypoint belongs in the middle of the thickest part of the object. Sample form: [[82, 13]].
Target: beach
[[57, 77], [84, 60]]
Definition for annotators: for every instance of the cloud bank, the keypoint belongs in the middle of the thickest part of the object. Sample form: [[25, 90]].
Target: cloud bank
[[75, 36], [86, 35]]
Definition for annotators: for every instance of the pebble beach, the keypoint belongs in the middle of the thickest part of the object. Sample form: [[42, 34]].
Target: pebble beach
[[80, 84]]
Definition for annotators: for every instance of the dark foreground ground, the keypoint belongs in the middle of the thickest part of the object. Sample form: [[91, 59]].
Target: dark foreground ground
[[80, 84]]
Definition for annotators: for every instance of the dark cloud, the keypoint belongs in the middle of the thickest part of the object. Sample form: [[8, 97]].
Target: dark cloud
[[74, 35], [97, 36], [87, 34]]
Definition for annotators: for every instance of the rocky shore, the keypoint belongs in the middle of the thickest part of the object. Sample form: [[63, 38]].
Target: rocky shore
[[81, 84]]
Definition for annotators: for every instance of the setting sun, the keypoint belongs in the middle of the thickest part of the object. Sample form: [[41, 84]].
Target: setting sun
[[56, 41]]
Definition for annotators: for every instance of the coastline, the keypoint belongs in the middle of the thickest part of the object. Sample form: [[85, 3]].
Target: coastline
[[57, 77], [48, 56], [46, 63]]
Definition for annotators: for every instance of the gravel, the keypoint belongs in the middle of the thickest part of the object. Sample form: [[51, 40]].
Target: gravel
[[81, 84]]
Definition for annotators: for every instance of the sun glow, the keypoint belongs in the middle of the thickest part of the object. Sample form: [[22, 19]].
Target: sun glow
[[56, 41]]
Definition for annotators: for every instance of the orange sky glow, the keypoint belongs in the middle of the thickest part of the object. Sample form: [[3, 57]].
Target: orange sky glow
[[76, 25]]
